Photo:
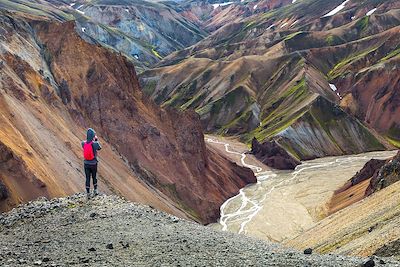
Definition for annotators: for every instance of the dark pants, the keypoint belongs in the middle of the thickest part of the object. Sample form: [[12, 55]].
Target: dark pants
[[90, 171]]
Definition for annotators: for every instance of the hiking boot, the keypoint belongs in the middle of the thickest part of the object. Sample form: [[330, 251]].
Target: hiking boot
[[95, 192], [87, 196]]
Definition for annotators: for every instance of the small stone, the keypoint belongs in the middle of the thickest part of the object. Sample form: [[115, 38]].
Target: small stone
[[382, 261], [110, 246], [38, 263], [92, 249], [369, 263], [46, 259], [308, 251], [84, 260], [93, 214]]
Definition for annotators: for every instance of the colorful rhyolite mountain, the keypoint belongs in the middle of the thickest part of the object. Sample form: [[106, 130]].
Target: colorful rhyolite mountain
[[318, 77]]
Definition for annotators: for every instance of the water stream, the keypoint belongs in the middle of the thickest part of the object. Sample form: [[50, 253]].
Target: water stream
[[283, 203]]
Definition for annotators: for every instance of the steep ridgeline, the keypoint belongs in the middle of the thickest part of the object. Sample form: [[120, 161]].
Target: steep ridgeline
[[212, 15], [53, 85], [317, 82], [145, 31]]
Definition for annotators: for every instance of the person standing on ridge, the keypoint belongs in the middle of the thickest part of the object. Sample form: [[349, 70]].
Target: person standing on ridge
[[90, 148]]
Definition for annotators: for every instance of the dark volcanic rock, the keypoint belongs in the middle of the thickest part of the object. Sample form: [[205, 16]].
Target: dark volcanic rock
[[388, 174], [3, 191], [389, 250], [271, 154], [308, 251], [370, 169], [369, 263]]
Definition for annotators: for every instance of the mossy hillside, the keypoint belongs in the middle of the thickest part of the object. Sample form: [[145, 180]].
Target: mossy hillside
[[154, 51], [362, 24], [149, 87], [302, 40], [31, 7], [183, 94], [333, 40], [240, 124], [340, 67], [227, 111], [393, 54], [292, 35], [279, 113], [326, 119], [394, 142], [286, 70], [195, 101], [393, 135], [333, 119]]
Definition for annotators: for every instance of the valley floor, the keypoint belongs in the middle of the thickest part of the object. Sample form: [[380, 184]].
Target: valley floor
[[109, 231], [285, 204]]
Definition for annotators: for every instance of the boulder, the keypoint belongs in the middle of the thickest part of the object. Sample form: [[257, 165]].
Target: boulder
[[308, 251], [3, 191], [273, 155]]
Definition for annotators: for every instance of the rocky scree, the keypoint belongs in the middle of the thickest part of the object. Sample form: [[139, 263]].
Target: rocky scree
[[109, 231]]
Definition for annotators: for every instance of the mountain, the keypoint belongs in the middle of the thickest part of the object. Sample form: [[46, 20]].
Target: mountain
[[318, 77], [54, 85], [212, 15], [143, 31]]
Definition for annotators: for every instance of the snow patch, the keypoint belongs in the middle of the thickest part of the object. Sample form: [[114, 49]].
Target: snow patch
[[254, 7], [77, 9], [221, 4], [270, 26], [284, 24], [294, 1], [369, 13], [83, 29], [294, 23], [127, 10], [337, 9], [333, 87]]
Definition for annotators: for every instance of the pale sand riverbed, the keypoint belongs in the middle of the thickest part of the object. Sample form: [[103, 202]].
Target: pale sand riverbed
[[284, 204]]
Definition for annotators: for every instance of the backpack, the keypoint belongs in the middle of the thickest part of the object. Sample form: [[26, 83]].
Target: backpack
[[88, 153]]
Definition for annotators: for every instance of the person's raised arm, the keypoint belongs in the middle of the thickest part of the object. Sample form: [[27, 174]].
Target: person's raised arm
[[97, 142]]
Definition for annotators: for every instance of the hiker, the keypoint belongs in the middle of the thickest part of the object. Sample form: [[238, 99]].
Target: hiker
[[90, 148]]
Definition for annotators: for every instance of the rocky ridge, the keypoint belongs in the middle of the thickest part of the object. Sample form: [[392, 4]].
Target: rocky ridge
[[108, 230]]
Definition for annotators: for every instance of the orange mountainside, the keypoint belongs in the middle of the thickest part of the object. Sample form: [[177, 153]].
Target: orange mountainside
[[54, 85]]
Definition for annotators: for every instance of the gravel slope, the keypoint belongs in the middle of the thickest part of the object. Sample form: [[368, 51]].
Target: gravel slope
[[109, 231]]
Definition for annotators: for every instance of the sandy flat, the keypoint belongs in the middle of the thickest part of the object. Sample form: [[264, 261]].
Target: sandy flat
[[284, 204]]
